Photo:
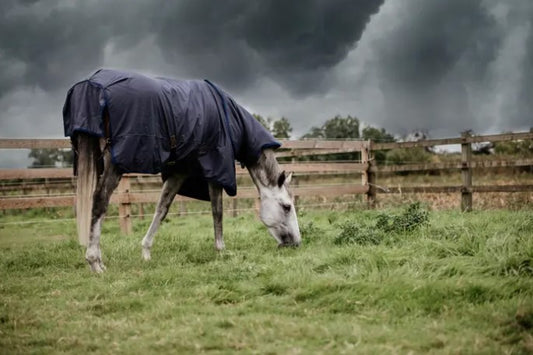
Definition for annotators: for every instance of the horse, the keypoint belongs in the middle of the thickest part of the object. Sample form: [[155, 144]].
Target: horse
[[190, 131]]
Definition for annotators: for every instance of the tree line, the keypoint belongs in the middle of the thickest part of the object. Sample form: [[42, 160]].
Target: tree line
[[337, 127]]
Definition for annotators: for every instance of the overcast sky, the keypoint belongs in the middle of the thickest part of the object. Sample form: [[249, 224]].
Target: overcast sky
[[440, 66]]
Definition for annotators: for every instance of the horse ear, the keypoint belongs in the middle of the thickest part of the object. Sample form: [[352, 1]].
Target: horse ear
[[288, 179], [284, 179], [281, 179]]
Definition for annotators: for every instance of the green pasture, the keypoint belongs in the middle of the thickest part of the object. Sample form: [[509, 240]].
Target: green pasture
[[366, 282]]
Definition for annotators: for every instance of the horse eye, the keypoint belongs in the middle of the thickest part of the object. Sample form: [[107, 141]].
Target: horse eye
[[286, 208]]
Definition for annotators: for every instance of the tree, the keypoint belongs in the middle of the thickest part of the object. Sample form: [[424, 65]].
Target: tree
[[267, 123], [377, 135], [282, 128], [279, 128], [336, 128], [341, 127], [52, 157], [315, 132]]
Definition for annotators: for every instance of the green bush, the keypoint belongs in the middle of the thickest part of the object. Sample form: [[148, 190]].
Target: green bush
[[522, 148], [353, 233], [413, 217]]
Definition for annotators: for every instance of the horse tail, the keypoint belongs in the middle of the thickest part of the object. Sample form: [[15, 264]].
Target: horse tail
[[86, 166]]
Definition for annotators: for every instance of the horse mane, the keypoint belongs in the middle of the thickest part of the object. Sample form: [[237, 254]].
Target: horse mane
[[266, 170]]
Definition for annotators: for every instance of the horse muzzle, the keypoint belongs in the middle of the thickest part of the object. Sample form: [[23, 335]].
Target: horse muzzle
[[288, 240]]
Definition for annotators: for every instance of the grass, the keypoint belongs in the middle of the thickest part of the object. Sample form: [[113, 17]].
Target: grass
[[461, 283]]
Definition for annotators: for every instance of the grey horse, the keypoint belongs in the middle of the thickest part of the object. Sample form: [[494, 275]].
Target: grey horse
[[190, 131]]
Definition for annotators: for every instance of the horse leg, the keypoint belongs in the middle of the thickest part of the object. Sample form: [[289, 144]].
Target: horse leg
[[170, 189], [107, 183], [215, 193]]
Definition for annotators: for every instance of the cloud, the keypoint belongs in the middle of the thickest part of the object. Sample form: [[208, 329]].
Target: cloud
[[48, 43], [449, 66], [46, 46], [293, 43], [524, 108], [430, 62]]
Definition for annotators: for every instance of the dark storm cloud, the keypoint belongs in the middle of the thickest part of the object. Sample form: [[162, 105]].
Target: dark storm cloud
[[49, 43], [522, 110], [438, 37], [525, 112], [307, 39], [428, 63], [289, 41], [44, 44]]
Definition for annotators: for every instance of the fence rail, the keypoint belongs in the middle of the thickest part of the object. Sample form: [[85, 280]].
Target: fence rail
[[304, 167], [460, 140], [453, 165], [340, 146], [364, 172]]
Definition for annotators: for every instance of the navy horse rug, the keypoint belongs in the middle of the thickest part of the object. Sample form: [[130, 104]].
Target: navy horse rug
[[163, 125]]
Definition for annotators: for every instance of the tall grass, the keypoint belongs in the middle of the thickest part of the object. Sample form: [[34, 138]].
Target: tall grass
[[460, 283]]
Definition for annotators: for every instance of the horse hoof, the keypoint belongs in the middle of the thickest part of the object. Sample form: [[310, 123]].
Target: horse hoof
[[97, 267], [146, 254]]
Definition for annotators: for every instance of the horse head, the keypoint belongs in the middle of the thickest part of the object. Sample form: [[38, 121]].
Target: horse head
[[278, 214]]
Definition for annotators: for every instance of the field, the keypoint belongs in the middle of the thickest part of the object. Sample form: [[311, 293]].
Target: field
[[442, 282]]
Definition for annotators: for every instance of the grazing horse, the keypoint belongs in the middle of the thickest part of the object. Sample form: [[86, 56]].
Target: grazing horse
[[190, 131]]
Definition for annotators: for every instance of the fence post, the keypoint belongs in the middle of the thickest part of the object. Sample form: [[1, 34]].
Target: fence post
[[364, 160], [368, 176], [372, 191], [466, 174], [124, 207], [295, 184]]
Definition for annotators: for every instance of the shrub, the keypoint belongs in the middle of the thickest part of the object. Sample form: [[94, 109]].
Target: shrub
[[353, 233], [413, 217]]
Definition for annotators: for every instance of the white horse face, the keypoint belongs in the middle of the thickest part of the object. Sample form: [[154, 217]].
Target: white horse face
[[278, 213]]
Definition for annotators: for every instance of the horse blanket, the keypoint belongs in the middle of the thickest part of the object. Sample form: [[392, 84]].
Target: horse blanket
[[165, 125]]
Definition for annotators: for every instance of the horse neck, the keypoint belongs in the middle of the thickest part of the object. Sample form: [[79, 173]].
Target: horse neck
[[265, 172]]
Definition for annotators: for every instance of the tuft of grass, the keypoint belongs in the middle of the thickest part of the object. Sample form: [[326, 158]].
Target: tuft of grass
[[353, 233], [412, 218]]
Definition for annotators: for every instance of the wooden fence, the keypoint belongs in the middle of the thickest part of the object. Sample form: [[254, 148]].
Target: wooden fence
[[363, 171]]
